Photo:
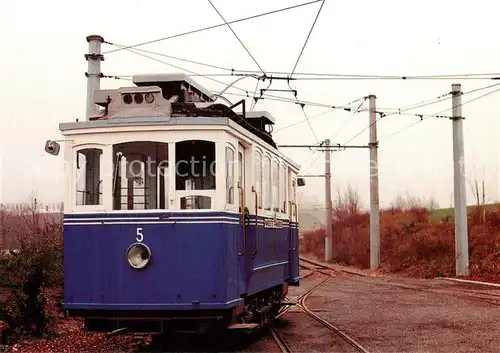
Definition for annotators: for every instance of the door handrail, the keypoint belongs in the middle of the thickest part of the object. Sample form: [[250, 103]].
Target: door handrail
[[256, 222], [243, 225], [294, 205]]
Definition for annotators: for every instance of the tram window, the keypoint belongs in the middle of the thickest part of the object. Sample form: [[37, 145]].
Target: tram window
[[291, 187], [195, 165], [229, 175], [282, 191], [140, 179], [196, 202], [258, 176], [89, 177], [267, 183], [275, 181]]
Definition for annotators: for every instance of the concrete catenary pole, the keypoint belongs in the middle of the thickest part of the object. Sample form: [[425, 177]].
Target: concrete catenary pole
[[328, 203], [461, 236], [94, 58], [374, 192]]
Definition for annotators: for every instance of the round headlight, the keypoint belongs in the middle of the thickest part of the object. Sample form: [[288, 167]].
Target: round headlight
[[138, 255], [149, 98]]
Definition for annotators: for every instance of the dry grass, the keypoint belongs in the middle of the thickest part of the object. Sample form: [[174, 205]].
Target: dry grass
[[412, 243]]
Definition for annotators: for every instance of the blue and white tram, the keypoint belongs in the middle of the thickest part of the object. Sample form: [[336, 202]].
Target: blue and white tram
[[179, 212]]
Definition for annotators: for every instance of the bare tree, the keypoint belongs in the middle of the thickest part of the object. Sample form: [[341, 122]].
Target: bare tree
[[349, 201], [410, 201], [478, 190]]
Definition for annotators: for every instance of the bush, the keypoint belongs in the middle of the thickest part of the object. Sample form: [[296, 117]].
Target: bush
[[411, 243], [25, 273]]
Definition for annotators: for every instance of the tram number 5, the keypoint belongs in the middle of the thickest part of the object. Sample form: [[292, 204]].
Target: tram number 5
[[140, 236]]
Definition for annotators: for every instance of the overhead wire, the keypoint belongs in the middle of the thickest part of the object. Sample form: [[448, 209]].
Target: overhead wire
[[400, 111], [422, 118], [303, 112], [346, 108], [243, 45], [295, 66], [307, 38], [180, 68], [314, 76], [337, 76], [438, 99], [184, 60], [341, 128], [302, 103], [350, 117], [213, 26]]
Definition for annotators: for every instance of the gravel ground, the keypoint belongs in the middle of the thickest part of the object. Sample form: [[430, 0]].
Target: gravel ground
[[385, 318], [304, 334]]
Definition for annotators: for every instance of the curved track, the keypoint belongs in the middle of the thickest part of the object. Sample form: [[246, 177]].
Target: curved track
[[301, 303], [317, 267]]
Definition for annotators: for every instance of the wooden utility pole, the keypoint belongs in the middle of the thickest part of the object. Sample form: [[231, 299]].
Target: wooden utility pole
[[461, 236], [374, 192], [328, 203]]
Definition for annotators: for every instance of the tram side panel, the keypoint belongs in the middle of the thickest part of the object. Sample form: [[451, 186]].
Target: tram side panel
[[187, 269], [270, 261]]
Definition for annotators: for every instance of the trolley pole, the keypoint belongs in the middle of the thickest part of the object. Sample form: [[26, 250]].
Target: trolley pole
[[94, 58], [374, 194], [461, 236], [328, 203]]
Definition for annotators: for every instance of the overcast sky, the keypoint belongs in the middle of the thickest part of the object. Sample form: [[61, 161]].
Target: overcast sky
[[43, 83]]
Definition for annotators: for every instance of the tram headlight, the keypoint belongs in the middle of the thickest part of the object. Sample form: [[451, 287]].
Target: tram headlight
[[138, 255], [149, 98]]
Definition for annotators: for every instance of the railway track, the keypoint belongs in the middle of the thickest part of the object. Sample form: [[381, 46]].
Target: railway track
[[471, 294], [301, 304], [316, 267]]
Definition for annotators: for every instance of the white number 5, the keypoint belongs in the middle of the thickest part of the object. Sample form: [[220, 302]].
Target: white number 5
[[140, 236]]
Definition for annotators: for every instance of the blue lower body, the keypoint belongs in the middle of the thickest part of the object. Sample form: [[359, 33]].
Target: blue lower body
[[196, 261]]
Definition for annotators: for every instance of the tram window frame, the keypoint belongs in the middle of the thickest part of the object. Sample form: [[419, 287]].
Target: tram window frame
[[230, 175], [275, 175], [258, 176], [83, 197], [267, 195], [283, 188]]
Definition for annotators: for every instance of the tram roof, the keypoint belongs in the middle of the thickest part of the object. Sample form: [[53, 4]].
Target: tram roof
[[164, 79]]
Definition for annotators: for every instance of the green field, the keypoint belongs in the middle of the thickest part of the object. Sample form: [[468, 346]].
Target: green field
[[450, 212]]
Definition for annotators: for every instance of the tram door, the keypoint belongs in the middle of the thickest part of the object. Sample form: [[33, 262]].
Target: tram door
[[245, 243]]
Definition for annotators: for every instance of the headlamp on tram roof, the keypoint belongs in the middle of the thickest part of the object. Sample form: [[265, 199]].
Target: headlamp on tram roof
[[138, 255], [149, 97]]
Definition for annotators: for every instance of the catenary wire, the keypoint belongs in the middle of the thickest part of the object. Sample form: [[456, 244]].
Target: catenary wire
[[312, 76], [213, 26], [182, 69], [430, 116], [307, 38], [346, 108], [341, 128], [303, 112], [239, 40], [382, 114], [422, 116]]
